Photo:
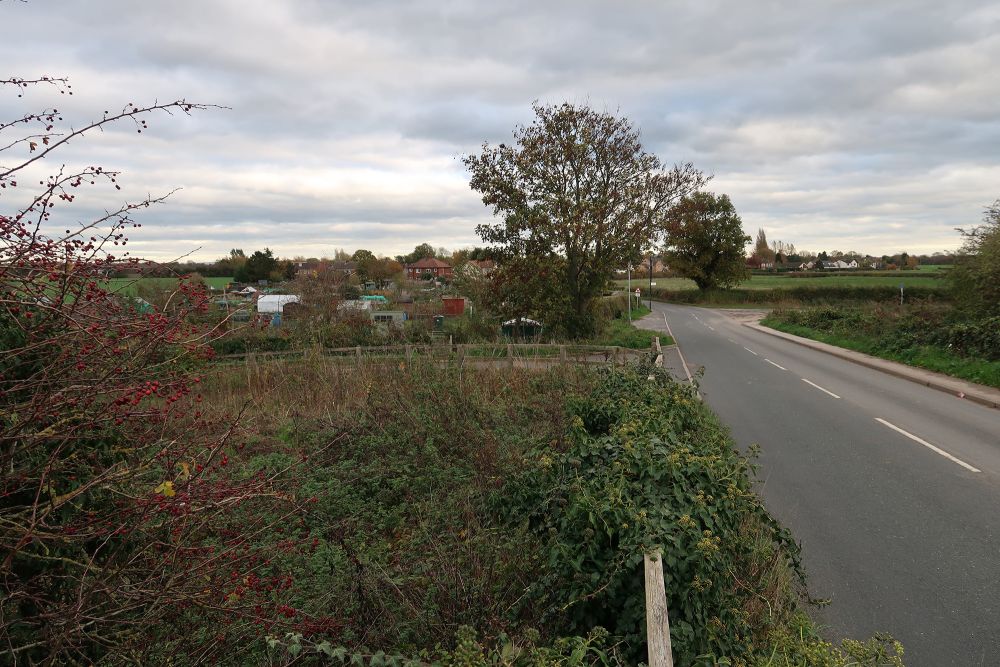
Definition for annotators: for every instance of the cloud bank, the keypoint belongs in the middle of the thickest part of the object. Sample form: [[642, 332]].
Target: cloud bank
[[845, 125]]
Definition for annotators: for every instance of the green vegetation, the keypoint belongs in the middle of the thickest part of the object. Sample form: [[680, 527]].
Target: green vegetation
[[559, 240], [976, 277], [796, 294], [706, 241], [623, 333], [937, 339], [955, 330], [783, 280], [500, 518]]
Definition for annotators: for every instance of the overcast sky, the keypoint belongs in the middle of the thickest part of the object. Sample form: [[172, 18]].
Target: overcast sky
[[840, 125]]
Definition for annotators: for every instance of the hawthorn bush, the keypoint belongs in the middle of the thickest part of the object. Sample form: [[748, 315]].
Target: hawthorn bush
[[120, 519]]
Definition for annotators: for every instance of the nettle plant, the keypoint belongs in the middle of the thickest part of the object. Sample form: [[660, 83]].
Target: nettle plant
[[124, 527]]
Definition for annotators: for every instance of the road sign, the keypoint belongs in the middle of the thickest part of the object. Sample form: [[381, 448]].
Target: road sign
[[637, 292]]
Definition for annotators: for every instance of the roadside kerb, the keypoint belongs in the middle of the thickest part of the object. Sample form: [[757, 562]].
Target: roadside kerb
[[976, 393]]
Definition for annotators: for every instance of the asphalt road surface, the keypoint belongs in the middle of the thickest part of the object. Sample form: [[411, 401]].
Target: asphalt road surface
[[892, 488]]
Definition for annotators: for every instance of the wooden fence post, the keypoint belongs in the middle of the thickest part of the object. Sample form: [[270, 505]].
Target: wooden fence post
[[562, 354], [409, 353], [657, 621], [357, 352], [510, 355]]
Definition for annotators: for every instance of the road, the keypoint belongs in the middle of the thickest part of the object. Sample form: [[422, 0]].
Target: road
[[892, 488]]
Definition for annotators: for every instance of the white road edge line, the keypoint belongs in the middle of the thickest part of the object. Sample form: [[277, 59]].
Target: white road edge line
[[774, 364], [750, 351], [928, 445], [820, 388]]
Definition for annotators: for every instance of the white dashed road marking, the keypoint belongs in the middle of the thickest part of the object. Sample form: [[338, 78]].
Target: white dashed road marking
[[750, 351], [777, 365], [928, 445], [820, 388]]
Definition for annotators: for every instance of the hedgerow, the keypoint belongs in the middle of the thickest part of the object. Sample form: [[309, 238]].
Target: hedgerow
[[803, 294], [501, 518]]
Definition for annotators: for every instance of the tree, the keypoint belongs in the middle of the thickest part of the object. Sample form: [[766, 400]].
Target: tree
[[364, 261], [578, 198], [261, 265], [381, 271], [975, 279], [422, 251], [761, 249], [707, 240]]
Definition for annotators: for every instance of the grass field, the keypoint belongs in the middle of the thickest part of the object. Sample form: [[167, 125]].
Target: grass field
[[910, 279], [129, 285]]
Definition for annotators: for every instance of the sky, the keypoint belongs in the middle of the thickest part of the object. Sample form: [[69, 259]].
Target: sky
[[869, 126]]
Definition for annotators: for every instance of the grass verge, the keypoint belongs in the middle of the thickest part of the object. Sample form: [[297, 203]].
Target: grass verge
[[619, 331], [930, 357]]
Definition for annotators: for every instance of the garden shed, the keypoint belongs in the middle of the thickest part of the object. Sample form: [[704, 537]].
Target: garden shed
[[274, 303]]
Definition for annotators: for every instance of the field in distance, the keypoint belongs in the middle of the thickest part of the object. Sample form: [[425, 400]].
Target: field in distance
[[129, 285], [891, 279]]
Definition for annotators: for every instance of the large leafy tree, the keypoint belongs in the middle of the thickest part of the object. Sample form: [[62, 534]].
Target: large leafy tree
[[706, 241], [258, 266], [976, 276], [578, 197], [422, 251]]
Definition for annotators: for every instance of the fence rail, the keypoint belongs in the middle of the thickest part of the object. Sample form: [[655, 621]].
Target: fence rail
[[513, 355]]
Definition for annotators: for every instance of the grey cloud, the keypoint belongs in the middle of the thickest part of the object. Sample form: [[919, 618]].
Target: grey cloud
[[853, 123]]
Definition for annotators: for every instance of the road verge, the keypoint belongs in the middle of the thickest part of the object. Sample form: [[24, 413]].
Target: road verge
[[959, 388]]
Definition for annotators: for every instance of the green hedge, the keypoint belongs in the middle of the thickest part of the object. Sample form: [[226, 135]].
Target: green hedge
[[647, 466], [807, 294]]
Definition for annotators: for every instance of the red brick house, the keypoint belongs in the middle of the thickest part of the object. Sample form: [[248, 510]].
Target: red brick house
[[430, 265]]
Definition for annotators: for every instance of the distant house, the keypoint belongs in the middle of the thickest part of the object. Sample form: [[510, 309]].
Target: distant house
[[805, 266], [754, 262], [308, 269], [481, 266], [428, 265], [347, 268], [840, 264]]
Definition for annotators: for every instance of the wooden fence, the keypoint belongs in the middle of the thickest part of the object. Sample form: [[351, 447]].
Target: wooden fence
[[510, 355], [659, 653]]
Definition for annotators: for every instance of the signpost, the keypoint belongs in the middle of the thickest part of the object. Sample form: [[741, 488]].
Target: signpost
[[901, 294]]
